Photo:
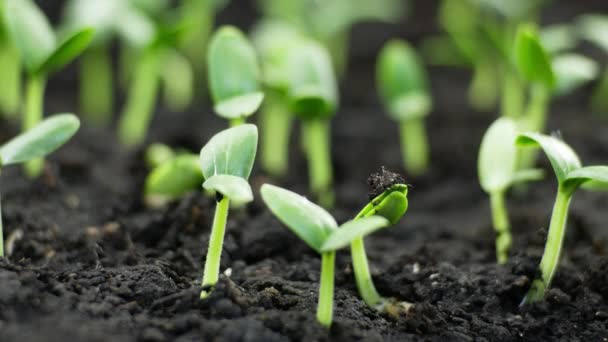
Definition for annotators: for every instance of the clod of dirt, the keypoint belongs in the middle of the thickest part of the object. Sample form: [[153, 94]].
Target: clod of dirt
[[380, 181]]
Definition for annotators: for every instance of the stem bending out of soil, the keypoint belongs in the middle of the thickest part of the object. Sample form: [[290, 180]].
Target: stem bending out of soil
[[214, 252], [363, 277], [325, 308], [96, 93]]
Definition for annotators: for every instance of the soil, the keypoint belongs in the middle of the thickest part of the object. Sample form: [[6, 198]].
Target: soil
[[88, 261]]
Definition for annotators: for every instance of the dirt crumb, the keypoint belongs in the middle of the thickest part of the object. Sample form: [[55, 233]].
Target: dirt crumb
[[380, 181]]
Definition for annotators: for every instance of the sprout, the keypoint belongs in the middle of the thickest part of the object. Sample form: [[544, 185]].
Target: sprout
[[10, 70], [42, 139], [226, 161], [233, 75], [402, 83], [172, 179], [570, 176], [42, 53], [319, 230], [389, 200], [497, 171], [313, 97]]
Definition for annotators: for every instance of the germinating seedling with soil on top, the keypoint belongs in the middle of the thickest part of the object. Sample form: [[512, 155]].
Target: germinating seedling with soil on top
[[319, 230], [42, 53], [571, 175], [37, 142], [226, 161]]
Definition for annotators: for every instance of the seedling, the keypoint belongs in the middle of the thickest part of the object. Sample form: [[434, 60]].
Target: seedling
[[172, 179], [234, 75], [402, 83], [273, 40], [42, 139], [226, 161], [42, 53], [319, 230], [570, 175], [389, 200], [497, 171], [10, 70], [313, 97]]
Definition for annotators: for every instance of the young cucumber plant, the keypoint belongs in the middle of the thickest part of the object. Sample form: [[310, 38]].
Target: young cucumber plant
[[402, 83], [388, 200], [313, 97], [226, 161], [497, 171], [234, 75], [10, 70], [319, 230], [570, 175], [42, 53], [172, 178], [42, 139]]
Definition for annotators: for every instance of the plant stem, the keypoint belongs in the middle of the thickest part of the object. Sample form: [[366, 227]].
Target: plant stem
[[553, 246], [276, 131], [363, 277], [535, 121], [483, 88], [237, 121], [96, 87], [414, 145], [214, 251], [325, 307], [34, 102], [136, 117], [316, 134], [512, 95], [500, 220], [10, 76]]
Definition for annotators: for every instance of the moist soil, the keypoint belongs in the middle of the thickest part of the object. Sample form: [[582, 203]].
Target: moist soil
[[88, 261]]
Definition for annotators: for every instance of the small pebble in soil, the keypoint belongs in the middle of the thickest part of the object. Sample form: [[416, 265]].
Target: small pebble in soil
[[380, 181]]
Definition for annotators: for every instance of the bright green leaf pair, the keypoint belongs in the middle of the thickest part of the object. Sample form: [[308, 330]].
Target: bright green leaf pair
[[174, 178]]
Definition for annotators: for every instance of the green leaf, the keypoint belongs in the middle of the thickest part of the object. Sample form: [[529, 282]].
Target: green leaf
[[67, 50], [41, 140], [572, 71], [312, 92], [525, 176], [393, 206], [230, 152], [100, 15], [531, 58], [158, 154], [402, 81], [594, 28], [563, 159], [597, 176], [239, 106], [307, 220], [497, 159], [557, 38], [233, 71], [135, 28], [175, 177], [351, 230], [234, 187], [31, 32]]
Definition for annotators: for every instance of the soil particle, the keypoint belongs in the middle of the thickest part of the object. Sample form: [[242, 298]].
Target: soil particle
[[381, 181]]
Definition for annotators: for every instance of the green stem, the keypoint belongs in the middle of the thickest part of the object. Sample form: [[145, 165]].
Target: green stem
[[500, 220], [143, 90], [553, 246], [316, 134], [512, 100], [10, 76], [237, 121], [325, 307], [483, 88], [34, 102], [214, 251], [414, 145], [276, 130], [363, 277], [96, 87]]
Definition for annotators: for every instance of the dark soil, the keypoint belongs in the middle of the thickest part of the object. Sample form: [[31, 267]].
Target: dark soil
[[88, 261]]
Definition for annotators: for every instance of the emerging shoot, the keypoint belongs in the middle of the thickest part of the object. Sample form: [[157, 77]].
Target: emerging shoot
[[403, 87], [497, 171], [226, 161], [172, 179], [234, 75], [319, 230], [40, 140], [570, 176]]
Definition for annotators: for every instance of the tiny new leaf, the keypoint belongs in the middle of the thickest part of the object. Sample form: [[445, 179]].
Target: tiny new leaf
[[233, 74], [41, 140], [67, 50], [573, 70], [563, 159]]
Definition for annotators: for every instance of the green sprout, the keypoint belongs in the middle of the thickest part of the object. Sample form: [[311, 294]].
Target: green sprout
[[234, 75], [319, 230], [42, 52], [273, 40], [172, 179], [388, 200], [42, 139], [10, 72], [570, 175], [403, 86], [497, 171], [313, 97], [226, 161]]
